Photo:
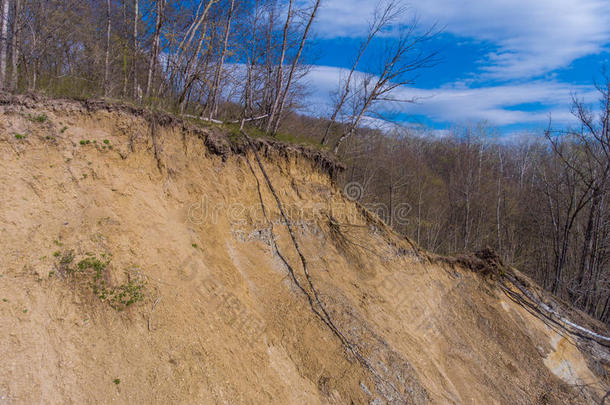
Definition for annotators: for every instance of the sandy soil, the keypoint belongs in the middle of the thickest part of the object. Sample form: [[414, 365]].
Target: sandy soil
[[221, 320]]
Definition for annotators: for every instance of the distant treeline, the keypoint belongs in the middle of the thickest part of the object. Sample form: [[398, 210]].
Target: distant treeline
[[543, 203], [213, 58]]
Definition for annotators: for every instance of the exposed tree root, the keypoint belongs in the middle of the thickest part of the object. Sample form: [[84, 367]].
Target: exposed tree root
[[529, 300], [313, 297]]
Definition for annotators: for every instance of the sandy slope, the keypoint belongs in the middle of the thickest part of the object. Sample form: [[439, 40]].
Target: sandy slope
[[230, 324]]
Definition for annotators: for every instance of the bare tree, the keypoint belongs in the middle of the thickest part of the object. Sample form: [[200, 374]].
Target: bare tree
[[213, 100], [4, 21], [295, 62], [279, 69], [107, 59], [15, 45], [136, 17], [385, 14], [154, 55], [401, 58]]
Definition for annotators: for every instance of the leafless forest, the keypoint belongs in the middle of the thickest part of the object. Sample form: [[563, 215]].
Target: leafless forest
[[542, 202]]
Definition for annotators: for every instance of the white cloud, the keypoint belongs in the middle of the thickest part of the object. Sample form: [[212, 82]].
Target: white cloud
[[530, 37], [457, 103]]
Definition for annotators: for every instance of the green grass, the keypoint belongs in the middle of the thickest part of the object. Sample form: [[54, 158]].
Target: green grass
[[20, 136], [40, 118], [255, 132], [93, 269], [67, 258], [116, 381]]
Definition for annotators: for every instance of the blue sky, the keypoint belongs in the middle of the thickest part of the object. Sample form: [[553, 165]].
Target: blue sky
[[508, 62]]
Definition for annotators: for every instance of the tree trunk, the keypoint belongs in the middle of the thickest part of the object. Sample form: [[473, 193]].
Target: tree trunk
[[266, 97], [4, 13], [214, 95], [152, 63], [125, 46], [280, 70], [107, 60], [377, 25], [15, 46], [293, 68], [135, 49], [250, 64]]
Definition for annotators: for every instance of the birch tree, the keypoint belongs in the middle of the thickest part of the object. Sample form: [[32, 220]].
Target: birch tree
[[384, 16], [284, 92], [213, 99], [401, 57], [4, 22], [154, 55], [135, 48], [107, 58]]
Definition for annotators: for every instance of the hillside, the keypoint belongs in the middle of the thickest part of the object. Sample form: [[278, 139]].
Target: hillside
[[146, 260]]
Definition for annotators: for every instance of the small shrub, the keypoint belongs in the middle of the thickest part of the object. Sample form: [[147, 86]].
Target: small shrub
[[119, 297], [116, 381], [40, 118], [19, 136], [92, 263], [63, 129], [67, 258], [83, 142], [106, 141], [127, 294]]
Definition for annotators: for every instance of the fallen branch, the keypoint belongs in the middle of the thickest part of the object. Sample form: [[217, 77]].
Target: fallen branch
[[151, 313], [556, 317], [225, 122], [203, 119]]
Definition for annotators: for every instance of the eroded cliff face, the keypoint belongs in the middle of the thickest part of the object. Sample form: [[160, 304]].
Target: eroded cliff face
[[146, 261]]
